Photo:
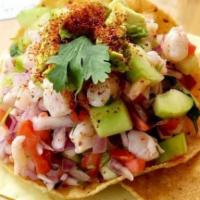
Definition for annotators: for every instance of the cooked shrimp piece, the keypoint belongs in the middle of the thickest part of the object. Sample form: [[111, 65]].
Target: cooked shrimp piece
[[54, 102], [24, 99], [19, 156], [142, 145], [158, 62], [152, 26], [99, 94], [82, 136], [175, 45], [35, 90]]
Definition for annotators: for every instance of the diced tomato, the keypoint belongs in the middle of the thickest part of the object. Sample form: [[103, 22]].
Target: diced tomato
[[169, 126], [189, 126], [188, 82], [191, 49], [32, 139], [91, 161], [83, 115], [122, 155], [2, 114], [136, 165], [74, 117], [139, 123], [140, 99]]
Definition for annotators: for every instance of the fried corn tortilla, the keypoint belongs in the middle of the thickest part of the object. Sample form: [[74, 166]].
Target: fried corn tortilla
[[16, 188], [165, 22]]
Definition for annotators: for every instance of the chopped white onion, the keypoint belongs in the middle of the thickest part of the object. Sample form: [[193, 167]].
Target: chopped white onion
[[79, 175], [121, 170], [46, 123]]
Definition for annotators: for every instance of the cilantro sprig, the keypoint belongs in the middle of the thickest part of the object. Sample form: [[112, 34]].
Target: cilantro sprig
[[77, 62]]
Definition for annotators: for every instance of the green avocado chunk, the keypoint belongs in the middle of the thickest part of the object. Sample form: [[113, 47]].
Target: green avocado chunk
[[27, 17], [173, 147], [19, 63], [111, 119], [189, 65], [141, 67], [133, 22], [172, 104]]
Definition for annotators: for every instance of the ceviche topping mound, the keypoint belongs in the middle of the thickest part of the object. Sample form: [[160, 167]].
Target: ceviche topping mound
[[91, 92]]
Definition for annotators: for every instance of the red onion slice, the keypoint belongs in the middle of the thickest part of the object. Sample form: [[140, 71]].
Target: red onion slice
[[11, 123], [67, 165], [100, 145], [121, 170]]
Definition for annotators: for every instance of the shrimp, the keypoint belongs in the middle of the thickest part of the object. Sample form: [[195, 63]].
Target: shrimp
[[175, 45], [34, 36], [36, 91], [19, 156], [152, 26], [24, 99], [158, 62], [142, 145], [82, 136], [52, 98], [99, 94]]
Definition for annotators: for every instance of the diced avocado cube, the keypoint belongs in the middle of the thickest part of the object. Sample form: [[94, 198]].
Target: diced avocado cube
[[141, 67], [64, 34], [19, 63], [189, 65], [27, 17], [107, 173], [172, 104], [173, 147], [118, 62], [129, 18], [111, 119]]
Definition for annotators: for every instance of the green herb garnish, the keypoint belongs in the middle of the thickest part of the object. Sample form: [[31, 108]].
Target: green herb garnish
[[78, 61]]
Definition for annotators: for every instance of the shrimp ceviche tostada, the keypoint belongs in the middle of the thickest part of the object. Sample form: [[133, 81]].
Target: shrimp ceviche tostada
[[94, 92]]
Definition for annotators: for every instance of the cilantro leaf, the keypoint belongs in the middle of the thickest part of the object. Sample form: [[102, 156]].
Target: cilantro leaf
[[77, 61], [96, 63]]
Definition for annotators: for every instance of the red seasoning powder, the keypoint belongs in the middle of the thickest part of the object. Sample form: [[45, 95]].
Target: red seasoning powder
[[89, 19], [84, 20]]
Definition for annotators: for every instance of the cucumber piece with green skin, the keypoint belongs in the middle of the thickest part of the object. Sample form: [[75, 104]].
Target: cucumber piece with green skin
[[189, 65], [111, 119], [141, 67], [173, 147], [104, 159], [107, 173], [172, 104]]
